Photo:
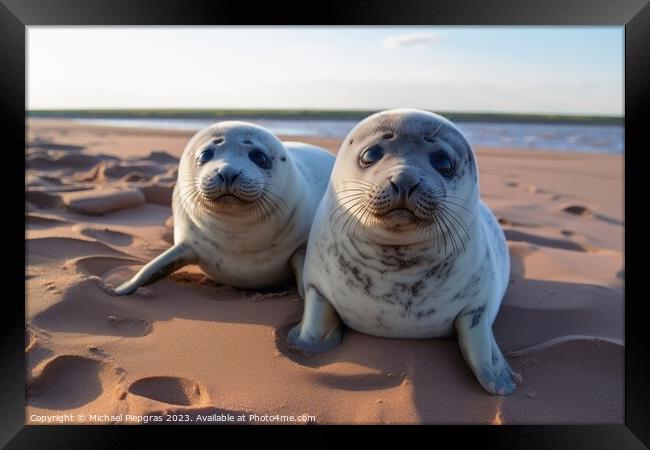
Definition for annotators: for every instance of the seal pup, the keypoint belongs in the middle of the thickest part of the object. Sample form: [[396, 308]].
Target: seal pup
[[243, 205], [402, 245]]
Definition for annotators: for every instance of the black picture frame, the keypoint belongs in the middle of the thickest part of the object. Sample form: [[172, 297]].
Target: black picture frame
[[634, 15]]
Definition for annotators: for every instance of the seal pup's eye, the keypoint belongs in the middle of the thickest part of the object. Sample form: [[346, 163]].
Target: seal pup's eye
[[259, 158], [371, 156], [442, 163], [205, 156]]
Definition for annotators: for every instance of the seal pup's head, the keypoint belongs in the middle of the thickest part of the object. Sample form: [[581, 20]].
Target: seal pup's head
[[233, 169], [405, 176]]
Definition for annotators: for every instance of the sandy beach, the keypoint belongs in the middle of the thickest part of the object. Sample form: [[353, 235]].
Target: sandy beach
[[98, 208]]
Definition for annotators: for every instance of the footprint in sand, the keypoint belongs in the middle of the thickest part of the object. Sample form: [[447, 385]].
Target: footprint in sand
[[583, 211], [43, 200], [357, 382], [57, 248], [532, 189], [106, 235], [85, 308], [101, 266], [36, 221], [171, 390], [35, 352], [106, 325], [518, 236], [128, 326], [70, 381]]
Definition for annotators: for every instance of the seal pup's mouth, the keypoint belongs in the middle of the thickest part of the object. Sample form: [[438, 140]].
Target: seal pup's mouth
[[229, 199], [399, 213], [398, 217]]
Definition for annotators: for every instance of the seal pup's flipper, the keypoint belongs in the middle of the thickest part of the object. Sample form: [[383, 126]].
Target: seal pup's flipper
[[170, 260], [482, 353], [320, 327], [297, 263]]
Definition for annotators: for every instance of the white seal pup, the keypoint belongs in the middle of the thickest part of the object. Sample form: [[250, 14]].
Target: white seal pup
[[403, 247], [243, 205]]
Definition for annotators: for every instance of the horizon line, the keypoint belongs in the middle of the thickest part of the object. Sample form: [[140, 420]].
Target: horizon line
[[251, 110]]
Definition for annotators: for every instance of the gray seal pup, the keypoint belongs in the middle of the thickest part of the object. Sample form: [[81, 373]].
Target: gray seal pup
[[403, 247], [243, 205]]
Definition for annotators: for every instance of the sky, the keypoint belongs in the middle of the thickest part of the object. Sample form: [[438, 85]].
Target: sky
[[554, 70]]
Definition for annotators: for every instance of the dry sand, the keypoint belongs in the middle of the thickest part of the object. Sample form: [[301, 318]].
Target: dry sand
[[185, 345]]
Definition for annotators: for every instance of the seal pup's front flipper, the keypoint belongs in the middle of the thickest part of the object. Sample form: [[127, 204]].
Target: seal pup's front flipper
[[297, 263], [320, 327], [482, 353], [170, 260]]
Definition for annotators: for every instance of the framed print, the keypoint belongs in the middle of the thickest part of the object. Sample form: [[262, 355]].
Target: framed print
[[415, 215]]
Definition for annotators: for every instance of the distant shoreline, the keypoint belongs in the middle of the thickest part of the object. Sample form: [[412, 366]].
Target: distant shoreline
[[313, 115]]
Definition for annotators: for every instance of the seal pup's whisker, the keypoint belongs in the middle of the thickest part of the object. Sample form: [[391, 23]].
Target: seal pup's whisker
[[457, 218], [352, 217], [451, 231], [346, 211], [342, 207], [274, 195]]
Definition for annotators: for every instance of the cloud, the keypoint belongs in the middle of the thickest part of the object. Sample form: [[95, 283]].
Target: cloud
[[420, 40]]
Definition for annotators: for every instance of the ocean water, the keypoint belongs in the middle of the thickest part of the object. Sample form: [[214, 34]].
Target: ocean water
[[561, 137]]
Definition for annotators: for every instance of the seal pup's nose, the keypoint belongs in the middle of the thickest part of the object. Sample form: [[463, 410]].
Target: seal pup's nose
[[228, 175], [404, 183]]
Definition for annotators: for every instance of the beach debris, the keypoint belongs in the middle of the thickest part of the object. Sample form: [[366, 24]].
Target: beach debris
[[577, 210]]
